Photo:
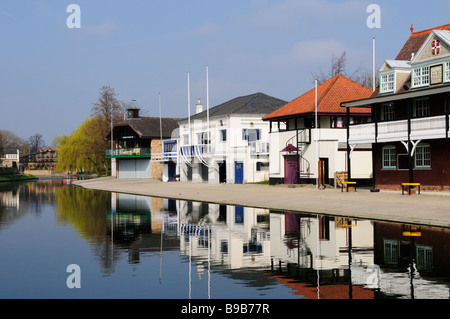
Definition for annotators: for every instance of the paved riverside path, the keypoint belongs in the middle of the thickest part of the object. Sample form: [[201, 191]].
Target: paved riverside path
[[428, 208]]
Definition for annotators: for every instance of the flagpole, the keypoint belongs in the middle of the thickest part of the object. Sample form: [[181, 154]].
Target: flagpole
[[189, 111], [160, 120], [207, 102], [315, 137], [373, 65]]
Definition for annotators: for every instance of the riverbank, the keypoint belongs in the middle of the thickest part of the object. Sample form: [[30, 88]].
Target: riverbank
[[428, 208], [17, 178]]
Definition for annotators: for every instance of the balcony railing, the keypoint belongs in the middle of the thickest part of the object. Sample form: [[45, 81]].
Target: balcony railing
[[421, 128], [128, 152], [196, 150], [259, 148]]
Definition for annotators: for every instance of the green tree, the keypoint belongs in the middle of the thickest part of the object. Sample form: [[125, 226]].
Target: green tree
[[84, 150]]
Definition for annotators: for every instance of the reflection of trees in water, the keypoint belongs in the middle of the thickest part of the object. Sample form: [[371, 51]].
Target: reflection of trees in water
[[86, 211]]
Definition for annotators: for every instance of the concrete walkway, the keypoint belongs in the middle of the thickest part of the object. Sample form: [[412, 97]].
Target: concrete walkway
[[426, 209]]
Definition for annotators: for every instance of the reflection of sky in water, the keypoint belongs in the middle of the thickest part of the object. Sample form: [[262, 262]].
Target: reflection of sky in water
[[121, 255]]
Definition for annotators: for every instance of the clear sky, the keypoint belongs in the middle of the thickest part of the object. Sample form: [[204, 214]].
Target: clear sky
[[51, 74]]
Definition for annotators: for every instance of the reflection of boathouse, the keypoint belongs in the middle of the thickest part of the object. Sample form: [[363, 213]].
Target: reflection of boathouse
[[137, 222], [234, 236]]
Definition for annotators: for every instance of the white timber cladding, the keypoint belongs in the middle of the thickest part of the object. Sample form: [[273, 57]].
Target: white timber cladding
[[229, 139]]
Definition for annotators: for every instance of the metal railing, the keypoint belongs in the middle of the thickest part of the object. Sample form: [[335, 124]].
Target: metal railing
[[129, 152]]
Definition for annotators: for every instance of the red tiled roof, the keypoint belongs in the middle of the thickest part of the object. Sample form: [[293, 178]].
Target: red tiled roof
[[329, 96], [415, 41]]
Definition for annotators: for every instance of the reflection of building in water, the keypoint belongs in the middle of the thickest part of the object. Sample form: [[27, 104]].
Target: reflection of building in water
[[416, 256], [136, 223], [319, 242], [232, 236], [10, 199], [333, 257]]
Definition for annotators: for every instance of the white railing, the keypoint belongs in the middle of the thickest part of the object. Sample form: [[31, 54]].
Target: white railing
[[259, 147], [362, 133], [195, 150], [392, 131], [431, 127], [421, 128]]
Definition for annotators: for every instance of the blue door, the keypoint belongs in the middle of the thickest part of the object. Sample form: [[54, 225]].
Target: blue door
[[172, 169], [238, 172]]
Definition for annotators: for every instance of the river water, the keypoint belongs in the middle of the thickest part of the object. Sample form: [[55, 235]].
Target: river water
[[61, 241]]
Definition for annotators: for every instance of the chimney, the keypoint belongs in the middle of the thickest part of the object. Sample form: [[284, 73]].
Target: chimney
[[198, 107]]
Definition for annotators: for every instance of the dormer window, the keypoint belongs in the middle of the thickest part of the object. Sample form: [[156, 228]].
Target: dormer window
[[421, 76], [387, 83]]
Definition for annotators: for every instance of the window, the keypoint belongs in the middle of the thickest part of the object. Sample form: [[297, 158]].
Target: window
[[447, 71], [390, 251], [421, 76], [170, 146], [202, 138], [251, 135], [389, 159], [424, 257], [186, 139], [387, 112], [422, 156], [262, 167], [223, 135], [421, 107], [387, 83]]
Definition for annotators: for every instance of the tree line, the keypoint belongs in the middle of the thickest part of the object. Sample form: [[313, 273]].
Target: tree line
[[10, 141]]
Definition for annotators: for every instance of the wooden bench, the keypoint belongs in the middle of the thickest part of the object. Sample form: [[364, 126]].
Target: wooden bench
[[409, 187], [346, 184]]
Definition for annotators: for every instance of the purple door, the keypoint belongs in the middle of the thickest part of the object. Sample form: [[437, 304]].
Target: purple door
[[291, 169]]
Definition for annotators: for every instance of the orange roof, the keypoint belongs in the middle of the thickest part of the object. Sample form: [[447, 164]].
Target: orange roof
[[329, 96]]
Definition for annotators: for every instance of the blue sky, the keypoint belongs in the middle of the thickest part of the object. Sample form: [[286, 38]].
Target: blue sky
[[50, 74]]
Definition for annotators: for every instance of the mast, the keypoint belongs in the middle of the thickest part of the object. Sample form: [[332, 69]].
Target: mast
[[189, 111]]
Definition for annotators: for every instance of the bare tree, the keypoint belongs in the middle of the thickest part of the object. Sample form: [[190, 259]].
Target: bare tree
[[9, 141], [339, 66], [36, 141], [107, 105]]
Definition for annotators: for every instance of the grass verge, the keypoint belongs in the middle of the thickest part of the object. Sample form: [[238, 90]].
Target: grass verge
[[16, 177]]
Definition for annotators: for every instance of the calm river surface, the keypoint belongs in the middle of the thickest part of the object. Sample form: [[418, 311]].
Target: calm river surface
[[126, 246]]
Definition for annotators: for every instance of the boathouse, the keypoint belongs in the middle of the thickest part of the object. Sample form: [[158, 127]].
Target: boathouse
[[134, 141], [409, 131], [228, 143], [308, 135]]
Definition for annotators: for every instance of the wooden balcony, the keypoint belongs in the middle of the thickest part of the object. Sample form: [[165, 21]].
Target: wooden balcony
[[433, 127]]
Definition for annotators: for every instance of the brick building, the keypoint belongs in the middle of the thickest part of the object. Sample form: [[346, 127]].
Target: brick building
[[409, 131]]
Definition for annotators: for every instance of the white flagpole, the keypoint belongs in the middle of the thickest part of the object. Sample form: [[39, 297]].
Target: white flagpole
[[207, 102], [315, 137], [160, 120], [373, 65], [189, 111]]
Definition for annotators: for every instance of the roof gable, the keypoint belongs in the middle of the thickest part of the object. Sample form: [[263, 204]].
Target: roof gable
[[437, 44], [330, 94], [415, 41]]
